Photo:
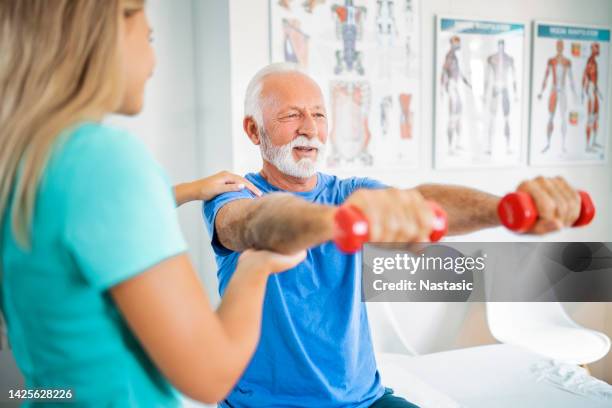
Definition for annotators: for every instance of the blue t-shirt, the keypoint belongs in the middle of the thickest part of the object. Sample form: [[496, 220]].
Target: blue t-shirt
[[105, 212], [315, 348]]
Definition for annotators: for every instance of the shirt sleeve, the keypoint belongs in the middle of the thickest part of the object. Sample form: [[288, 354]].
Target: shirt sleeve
[[368, 183], [209, 212], [121, 218], [350, 185]]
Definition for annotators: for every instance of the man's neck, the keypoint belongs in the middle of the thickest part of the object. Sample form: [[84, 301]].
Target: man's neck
[[285, 182]]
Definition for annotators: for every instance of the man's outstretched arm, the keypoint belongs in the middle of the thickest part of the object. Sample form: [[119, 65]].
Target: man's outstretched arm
[[278, 221], [285, 223], [468, 209]]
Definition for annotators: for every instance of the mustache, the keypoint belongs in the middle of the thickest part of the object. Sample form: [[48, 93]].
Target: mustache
[[303, 141]]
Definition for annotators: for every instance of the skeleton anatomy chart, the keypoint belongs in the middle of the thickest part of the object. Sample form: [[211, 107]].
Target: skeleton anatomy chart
[[365, 54], [479, 77], [570, 78]]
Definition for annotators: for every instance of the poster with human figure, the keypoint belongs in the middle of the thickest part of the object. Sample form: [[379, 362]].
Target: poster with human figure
[[568, 101], [479, 103], [365, 55]]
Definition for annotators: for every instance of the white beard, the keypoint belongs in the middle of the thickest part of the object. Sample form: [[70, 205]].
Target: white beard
[[282, 156]]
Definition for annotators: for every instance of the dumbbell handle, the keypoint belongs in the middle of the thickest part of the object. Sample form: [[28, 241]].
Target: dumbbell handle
[[517, 211], [353, 230]]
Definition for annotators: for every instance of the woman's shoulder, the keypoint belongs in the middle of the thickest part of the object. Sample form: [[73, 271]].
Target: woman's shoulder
[[94, 138], [93, 152], [98, 144]]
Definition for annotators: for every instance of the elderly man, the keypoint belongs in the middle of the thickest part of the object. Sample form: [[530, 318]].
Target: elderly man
[[315, 348]]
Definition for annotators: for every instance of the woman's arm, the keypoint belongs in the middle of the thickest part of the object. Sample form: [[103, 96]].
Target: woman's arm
[[209, 187], [201, 352]]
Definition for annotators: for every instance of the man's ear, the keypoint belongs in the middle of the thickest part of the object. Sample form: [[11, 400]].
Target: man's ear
[[251, 129]]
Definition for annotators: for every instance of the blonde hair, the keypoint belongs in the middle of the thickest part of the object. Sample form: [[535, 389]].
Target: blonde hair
[[59, 64]]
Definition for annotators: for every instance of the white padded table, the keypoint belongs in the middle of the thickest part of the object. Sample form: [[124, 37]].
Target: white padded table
[[494, 376]]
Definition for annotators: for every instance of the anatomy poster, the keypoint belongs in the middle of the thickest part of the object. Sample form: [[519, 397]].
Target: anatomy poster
[[479, 78], [568, 101], [365, 55]]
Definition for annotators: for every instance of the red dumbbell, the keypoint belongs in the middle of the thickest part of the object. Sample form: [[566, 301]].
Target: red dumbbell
[[517, 211], [353, 230]]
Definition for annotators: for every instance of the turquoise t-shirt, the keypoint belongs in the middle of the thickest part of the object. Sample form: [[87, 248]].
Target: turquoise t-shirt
[[104, 213]]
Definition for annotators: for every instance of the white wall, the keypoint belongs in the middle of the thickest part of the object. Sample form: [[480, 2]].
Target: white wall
[[212, 85], [435, 326]]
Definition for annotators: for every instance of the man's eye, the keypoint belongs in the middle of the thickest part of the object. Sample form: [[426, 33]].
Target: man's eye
[[320, 115], [292, 115]]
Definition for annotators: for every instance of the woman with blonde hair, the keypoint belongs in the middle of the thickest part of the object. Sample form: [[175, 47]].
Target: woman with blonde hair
[[98, 294]]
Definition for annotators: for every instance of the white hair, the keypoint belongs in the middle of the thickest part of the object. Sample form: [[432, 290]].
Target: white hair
[[253, 103]]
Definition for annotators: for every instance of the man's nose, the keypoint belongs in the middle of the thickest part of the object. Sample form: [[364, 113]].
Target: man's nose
[[308, 127]]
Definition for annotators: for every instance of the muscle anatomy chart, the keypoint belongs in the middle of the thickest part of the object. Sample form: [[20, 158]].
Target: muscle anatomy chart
[[365, 55], [570, 77], [479, 77]]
